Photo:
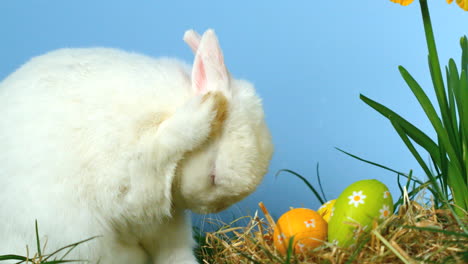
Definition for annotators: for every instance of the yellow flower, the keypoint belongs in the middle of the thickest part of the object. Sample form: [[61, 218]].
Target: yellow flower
[[404, 2], [461, 3]]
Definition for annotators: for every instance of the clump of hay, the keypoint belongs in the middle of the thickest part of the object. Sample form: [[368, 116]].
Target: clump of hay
[[415, 234]]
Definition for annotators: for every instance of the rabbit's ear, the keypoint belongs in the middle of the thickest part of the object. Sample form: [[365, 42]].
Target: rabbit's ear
[[192, 38], [209, 72]]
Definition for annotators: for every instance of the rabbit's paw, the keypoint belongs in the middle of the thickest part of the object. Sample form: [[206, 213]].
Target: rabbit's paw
[[206, 115], [220, 106], [194, 123]]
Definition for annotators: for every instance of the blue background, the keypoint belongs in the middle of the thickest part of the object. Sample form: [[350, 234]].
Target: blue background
[[309, 60]]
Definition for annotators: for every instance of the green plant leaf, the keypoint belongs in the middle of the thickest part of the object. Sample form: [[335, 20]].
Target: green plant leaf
[[305, 181], [432, 115], [414, 191], [62, 261], [12, 257], [436, 230], [267, 252], [378, 165], [409, 145], [459, 188], [434, 65], [443, 170], [413, 132], [464, 60], [290, 251], [463, 113], [396, 252], [70, 247], [320, 183], [360, 246], [243, 254], [38, 241], [453, 93]]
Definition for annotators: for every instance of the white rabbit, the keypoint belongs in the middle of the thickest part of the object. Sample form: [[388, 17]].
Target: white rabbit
[[119, 145]]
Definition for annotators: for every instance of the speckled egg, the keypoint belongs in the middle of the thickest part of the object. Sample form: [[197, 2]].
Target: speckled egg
[[358, 205], [306, 226]]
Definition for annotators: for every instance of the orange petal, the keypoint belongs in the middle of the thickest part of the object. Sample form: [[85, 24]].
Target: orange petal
[[463, 4]]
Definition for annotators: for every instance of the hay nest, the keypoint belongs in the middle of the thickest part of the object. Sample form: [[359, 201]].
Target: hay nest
[[415, 234]]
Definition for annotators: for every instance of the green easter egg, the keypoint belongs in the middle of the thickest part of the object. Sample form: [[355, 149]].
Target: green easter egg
[[360, 203]]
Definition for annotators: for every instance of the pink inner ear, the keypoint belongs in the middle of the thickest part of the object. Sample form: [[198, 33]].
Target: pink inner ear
[[199, 76]]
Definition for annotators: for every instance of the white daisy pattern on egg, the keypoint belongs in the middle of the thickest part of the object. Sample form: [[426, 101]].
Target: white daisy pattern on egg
[[281, 238], [384, 212], [332, 212], [357, 198], [310, 223], [324, 205], [386, 194]]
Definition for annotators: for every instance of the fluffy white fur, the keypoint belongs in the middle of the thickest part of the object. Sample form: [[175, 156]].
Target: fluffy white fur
[[102, 142]]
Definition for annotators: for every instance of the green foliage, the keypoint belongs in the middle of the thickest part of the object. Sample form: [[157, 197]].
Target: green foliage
[[41, 258], [322, 198], [448, 183]]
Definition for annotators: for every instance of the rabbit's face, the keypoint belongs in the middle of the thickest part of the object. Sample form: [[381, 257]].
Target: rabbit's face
[[229, 166], [231, 163]]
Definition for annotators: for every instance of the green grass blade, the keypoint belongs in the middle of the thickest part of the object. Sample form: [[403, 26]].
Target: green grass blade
[[459, 189], [38, 241], [436, 230], [270, 255], [63, 261], [453, 92], [12, 257], [432, 115], [447, 136], [358, 250], [418, 158], [69, 246], [305, 181], [290, 251], [396, 252], [464, 60], [378, 165], [408, 182], [320, 183], [414, 191], [434, 64], [445, 111], [243, 254], [413, 132], [421, 185], [443, 170], [68, 252], [400, 188], [463, 102]]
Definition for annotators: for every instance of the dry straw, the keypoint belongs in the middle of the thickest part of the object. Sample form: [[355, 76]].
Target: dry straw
[[415, 234]]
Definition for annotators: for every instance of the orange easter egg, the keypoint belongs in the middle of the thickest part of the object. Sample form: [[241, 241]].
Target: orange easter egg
[[306, 226]]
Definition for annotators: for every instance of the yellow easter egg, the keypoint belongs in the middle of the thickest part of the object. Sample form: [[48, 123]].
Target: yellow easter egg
[[306, 226], [326, 209]]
